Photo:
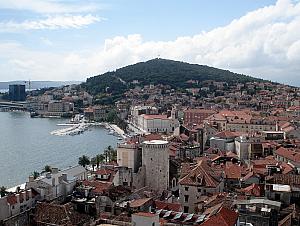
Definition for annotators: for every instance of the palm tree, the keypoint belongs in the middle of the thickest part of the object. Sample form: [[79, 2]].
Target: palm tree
[[93, 162], [48, 169], [3, 191], [99, 159], [112, 153], [106, 155], [84, 161], [35, 174]]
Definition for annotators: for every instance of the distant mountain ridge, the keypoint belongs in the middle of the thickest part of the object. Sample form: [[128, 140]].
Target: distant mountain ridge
[[38, 84], [161, 71]]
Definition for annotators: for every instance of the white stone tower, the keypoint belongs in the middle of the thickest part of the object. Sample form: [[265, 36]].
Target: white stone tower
[[155, 159]]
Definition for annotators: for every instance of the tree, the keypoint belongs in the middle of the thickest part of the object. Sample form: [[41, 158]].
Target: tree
[[93, 162], [3, 191], [110, 154], [84, 161], [35, 174], [99, 159], [48, 169]]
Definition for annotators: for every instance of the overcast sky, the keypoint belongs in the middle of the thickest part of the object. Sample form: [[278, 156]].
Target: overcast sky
[[73, 40]]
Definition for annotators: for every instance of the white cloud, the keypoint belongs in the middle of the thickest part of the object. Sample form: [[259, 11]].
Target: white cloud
[[264, 43], [49, 6], [46, 41], [51, 22]]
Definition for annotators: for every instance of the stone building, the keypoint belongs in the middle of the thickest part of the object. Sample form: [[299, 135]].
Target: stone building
[[155, 159]]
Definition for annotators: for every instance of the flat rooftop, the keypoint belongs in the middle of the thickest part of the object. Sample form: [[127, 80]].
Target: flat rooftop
[[156, 142]]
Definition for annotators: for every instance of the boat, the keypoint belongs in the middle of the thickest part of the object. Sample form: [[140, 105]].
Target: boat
[[33, 114]]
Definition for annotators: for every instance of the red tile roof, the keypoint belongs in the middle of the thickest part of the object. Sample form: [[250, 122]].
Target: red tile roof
[[225, 217], [139, 202], [253, 190], [288, 179], [98, 187], [145, 214], [233, 171], [12, 199], [291, 154], [226, 134], [200, 110], [168, 206], [269, 160], [53, 214], [152, 136], [202, 175], [104, 172]]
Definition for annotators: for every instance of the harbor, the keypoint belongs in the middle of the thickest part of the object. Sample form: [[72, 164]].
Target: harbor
[[79, 125], [28, 146]]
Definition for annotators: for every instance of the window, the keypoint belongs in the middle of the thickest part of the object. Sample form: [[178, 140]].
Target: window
[[186, 188], [153, 224], [185, 209], [186, 198], [199, 190]]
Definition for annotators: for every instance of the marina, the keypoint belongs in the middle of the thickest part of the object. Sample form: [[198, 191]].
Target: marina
[[81, 127], [73, 130]]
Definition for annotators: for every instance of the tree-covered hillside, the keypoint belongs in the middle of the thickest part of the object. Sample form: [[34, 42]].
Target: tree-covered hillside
[[160, 71]]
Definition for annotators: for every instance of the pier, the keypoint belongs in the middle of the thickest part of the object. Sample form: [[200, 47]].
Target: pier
[[73, 130], [12, 106]]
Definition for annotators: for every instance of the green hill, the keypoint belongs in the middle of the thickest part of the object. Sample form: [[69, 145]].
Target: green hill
[[160, 71]]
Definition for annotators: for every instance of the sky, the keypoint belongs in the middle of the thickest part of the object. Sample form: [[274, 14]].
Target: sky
[[77, 39]]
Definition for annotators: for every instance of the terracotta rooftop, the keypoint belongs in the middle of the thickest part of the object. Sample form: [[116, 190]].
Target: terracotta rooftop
[[200, 110], [269, 160], [290, 154], [253, 190], [168, 206], [202, 175], [52, 214], [225, 217], [152, 136], [139, 202], [233, 171], [288, 179], [98, 187], [226, 134], [104, 172], [145, 214]]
